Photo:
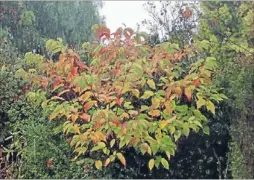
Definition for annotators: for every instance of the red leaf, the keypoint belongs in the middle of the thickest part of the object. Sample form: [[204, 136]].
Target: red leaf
[[74, 71], [196, 82]]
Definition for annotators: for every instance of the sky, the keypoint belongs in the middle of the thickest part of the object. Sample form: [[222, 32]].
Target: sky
[[128, 12]]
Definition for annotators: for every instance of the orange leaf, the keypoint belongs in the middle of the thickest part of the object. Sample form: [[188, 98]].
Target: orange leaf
[[44, 83], [187, 13], [99, 123], [97, 137], [133, 140], [125, 115], [85, 96], [178, 91], [49, 163], [119, 101], [155, 113], [107, 162], [176, 55], [121, 158], [187, 92], [88, 105], [116, 121], [124, 128], [85, 117], [168, 93], [74, 117]]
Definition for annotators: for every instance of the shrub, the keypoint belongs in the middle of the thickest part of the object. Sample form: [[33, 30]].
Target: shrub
[[131, 96]]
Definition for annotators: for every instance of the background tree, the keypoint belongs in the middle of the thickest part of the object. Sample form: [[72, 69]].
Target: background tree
[[228, 26], [173, 21], [35, 22]]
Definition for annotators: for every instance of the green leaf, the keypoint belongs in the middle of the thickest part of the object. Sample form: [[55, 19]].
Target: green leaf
[[154, 147], [172, 129], [151, 84], [210, 63], [198, 123], [177, 135], [102, 144], [157, 161], [147, 95], [151, 164], [112, 142], [121, 144], [206, 130], [164, 162], [95, 148], [144, 108], [168, 154], [186, 130]]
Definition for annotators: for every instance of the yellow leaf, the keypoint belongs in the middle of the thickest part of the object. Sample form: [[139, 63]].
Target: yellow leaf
[[210, 106], [178, 91], [85, 96], [172, 129], [74, 117], [147, 94], [200, 103], [155, 103], [151, 84], [56, 98], [126, 115], [151, 164], [136, 92], [168, 155], [98, 164], [76, 128], [163, 124]]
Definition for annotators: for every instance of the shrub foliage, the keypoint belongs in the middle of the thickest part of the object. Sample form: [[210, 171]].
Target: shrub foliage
[[130, 95]]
